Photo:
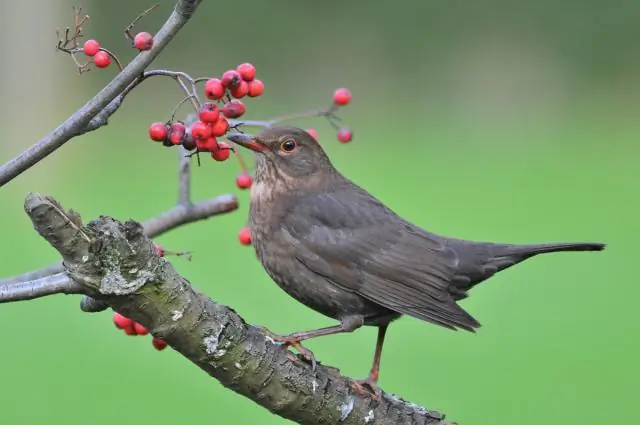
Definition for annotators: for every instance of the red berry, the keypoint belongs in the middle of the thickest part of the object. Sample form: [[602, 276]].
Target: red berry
[[312, 133], [131, 330], [177, 132], [143, 41], [345, 135], [214, 89], [342, 97], [200, 130], [222, 152], [140, 330], [247, 71], [209, 144], [230, 78], [256, 87], [158, 131], [244, 236], [220, 127], [241, 90], [209, 112], [91, 47], [244, 181], [122, 322], [102, 59], [234, 109], [158, 344]]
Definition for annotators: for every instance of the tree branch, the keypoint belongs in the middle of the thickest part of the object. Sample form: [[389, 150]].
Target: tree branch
[[81, 120], [116, 263]]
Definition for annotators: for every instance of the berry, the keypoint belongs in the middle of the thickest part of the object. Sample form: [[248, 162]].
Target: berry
[[230, 78], [209, 144], [131, 330], [209, 112], [220, 127], [244, 181], [256, 87], [122, 322], [312, 133], [158, 131], [143, 41], [177, 132], [102, 59], [247, 71], [221, 152], [241, 90], [139, 329], [158, 344], [342, 97], [234, 109], [214, 89], [188, 141], [200, 130], [91, 47], [244, 236], [345, 135]]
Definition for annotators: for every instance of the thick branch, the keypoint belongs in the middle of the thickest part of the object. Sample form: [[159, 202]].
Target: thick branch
[[78, 122], [118, 265]]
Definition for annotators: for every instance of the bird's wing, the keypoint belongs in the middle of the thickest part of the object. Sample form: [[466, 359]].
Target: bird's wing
[[355, 242]]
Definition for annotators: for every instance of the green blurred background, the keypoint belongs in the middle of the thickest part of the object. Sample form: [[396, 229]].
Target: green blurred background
[[500, 120]]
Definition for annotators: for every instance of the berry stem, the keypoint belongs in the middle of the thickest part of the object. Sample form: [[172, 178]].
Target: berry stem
[[114, 57], [127, 30]]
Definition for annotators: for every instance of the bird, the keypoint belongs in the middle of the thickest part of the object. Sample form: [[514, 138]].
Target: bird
[[340, 251]]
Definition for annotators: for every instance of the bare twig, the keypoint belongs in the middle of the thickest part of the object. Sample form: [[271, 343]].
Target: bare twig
[[329, 114], [77, 123], [122, 269], [154, 227], [58, 283]]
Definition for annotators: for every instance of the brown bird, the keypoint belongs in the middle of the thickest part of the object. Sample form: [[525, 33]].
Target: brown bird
[[340, 251]]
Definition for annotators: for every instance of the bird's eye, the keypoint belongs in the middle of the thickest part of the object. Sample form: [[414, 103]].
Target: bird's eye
[[288, 145]]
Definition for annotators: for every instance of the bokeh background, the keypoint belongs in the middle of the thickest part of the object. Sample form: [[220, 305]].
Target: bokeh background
[[503, 120]]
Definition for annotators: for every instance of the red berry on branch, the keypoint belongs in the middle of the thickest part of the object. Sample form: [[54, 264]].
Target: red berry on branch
[[230, 78], [158, 344], [222, 152], [214, 89], [312, 133], [247, 71], [256, 87], [131, 330], [241, 90], [91, 47], [188, 141], [177, 132], [244, 236], [209, 144], [220, 127], [209, 112], [342, 97], [122, 322], [159, 250], [200, 130], [345, 135], [143, 41], [244, 181], [234, 108], [139, 329], [102, 59], [158, 131]]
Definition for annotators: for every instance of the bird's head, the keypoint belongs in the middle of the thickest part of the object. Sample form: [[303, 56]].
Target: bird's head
[[286, 152]]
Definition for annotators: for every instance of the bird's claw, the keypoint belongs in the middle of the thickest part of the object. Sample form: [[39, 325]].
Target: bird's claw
[[362, 387], [286, 341]]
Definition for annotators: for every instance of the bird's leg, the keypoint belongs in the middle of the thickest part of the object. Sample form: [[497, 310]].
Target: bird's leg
[[347, 324], [371, 381]]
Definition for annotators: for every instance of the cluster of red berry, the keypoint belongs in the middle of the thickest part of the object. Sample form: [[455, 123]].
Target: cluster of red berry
[[102, 57], [133, 328]]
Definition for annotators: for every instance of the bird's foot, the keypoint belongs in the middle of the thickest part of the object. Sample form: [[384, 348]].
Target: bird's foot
[[287, 341], [362, 387]]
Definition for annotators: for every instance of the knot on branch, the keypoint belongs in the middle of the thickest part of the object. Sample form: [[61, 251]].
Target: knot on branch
[[108, 257]]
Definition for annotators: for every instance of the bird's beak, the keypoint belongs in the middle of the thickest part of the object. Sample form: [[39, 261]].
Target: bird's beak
[[246, 141]]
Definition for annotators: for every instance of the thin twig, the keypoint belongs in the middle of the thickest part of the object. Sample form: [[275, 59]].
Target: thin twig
[[58, 283], [76, 124]]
